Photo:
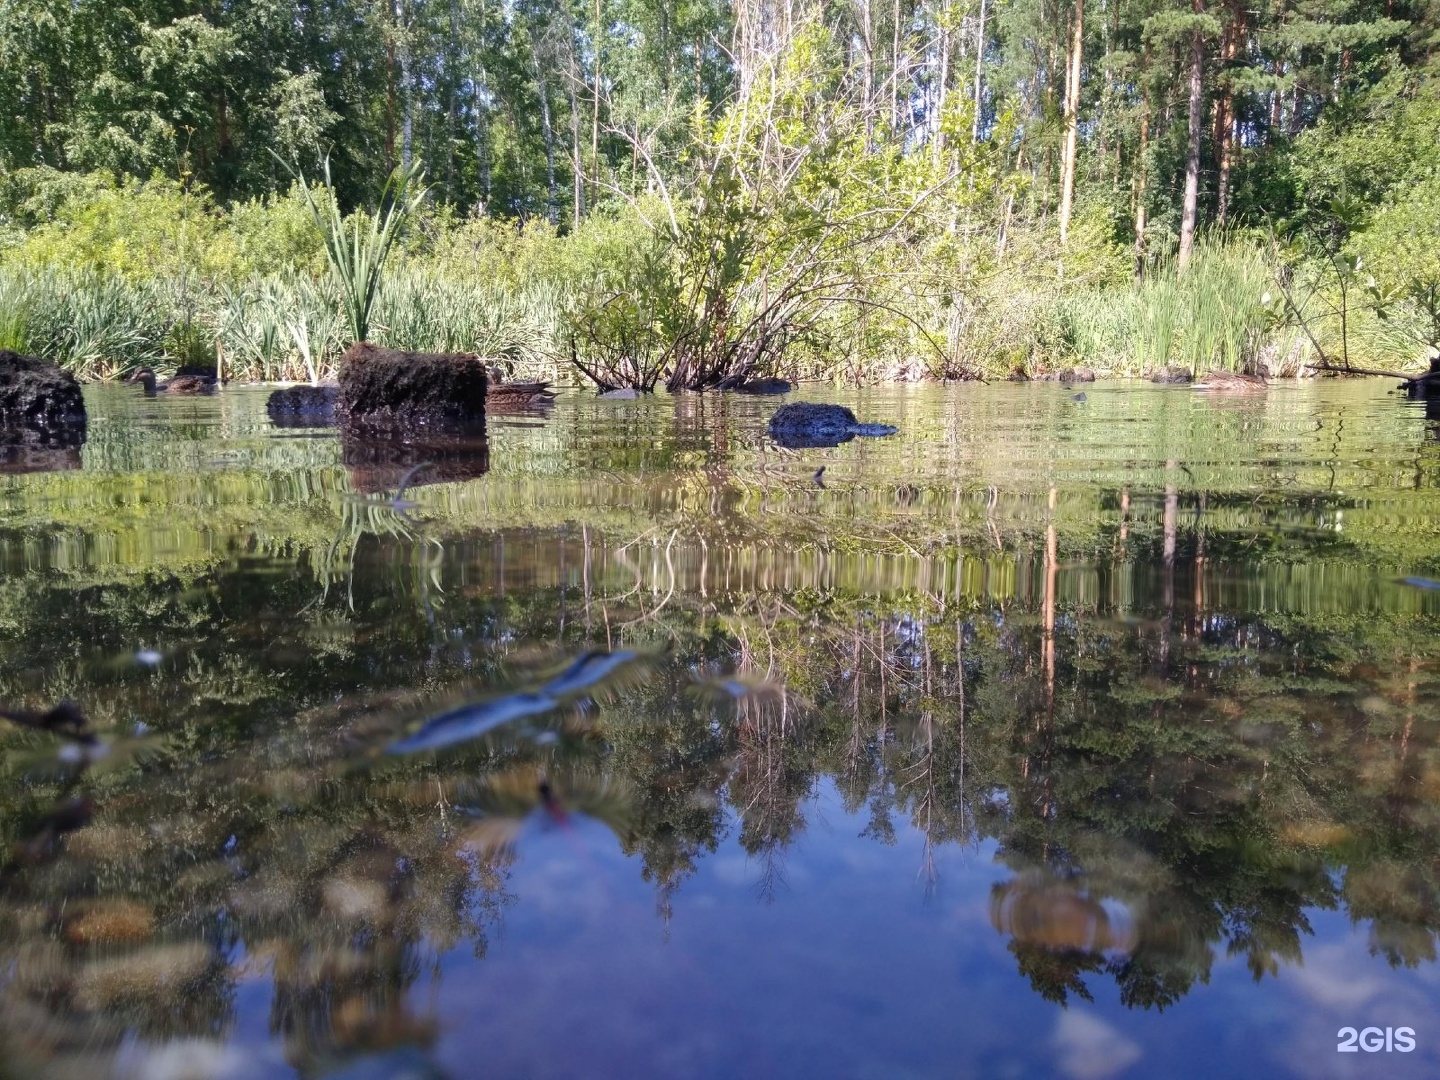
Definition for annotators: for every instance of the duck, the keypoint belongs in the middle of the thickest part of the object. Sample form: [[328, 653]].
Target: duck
[[519, 395], [181, 384], [1234, 382]]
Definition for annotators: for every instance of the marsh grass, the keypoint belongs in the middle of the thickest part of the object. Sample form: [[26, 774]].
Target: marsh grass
[[423, 310], [1214, 316], [269, 328], [14, 314]]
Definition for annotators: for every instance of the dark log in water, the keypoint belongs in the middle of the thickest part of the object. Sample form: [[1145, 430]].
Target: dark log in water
[[40, 404], [390, 385], [303, 406]]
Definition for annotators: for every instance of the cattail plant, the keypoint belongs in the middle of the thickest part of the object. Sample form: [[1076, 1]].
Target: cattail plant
[[356, 250]]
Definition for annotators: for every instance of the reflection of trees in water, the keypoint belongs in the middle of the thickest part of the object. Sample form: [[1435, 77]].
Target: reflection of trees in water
[[1208, 773]]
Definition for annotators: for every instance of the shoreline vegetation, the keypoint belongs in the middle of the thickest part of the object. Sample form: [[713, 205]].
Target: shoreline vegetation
[[1215, 191]]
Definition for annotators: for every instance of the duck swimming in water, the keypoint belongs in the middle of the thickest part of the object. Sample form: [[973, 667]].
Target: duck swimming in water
[[181, 384], [1233, 382], [499, 394]]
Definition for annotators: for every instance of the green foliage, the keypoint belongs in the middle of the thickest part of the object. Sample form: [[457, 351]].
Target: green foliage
[[1401, 248], [156, 228]]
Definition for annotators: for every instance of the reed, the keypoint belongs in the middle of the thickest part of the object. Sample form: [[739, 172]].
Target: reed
[[14, 313], [1212, 317], [422, 309], [357, 249]]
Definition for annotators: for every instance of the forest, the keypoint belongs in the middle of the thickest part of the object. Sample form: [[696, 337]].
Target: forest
[[678, 192]]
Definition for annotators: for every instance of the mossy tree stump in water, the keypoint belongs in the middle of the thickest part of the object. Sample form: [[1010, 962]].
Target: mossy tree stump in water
[[40, 403], [384, 386]]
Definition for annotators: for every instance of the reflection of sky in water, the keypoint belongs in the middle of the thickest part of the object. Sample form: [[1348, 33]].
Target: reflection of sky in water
[[852, 967], [849, 950]]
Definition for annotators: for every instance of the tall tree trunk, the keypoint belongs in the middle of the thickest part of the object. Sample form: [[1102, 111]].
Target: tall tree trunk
[[1190, 208], [599, 37], [578, 186], [1072, 120], [390, 100], [979, 74], [1225, 110], [547, 132], [1142, 168], [407, 124], [452, 111], [482, 138], [943, 81], [895, 74]]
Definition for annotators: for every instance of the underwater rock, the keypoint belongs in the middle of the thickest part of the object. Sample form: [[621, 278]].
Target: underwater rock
[[303, 406], [1038, 910], [161, 971], [385, 386], [804, 424], [1173, 374], [628, 393], [108, 922], [40, 404]]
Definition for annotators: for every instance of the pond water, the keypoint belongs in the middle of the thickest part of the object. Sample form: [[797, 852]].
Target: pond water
[[1047, 738]]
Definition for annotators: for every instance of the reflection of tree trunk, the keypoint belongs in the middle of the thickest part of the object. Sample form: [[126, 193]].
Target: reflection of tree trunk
[[857, 736], [1198, 615], [960, 685], [1048, 607], [1172, 518], [585, 575], [1048, 646]]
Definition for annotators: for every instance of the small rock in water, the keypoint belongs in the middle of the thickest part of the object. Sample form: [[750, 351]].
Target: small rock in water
[[625, 394], [1079, 397]]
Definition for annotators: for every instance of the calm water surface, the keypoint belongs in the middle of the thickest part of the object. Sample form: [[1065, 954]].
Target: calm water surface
[[1045, 739]]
